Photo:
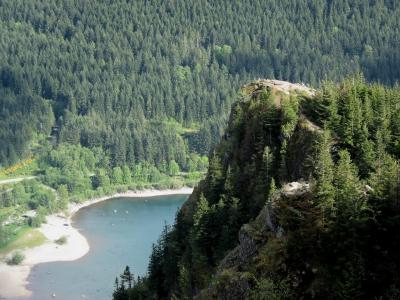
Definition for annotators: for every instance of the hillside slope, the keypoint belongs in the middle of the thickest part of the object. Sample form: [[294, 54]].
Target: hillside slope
[[141, 70], [301, 201]]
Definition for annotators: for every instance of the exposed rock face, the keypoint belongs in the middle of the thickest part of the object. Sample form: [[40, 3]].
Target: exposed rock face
[[252, 236], [243, 252], [297, 167], [295, 189], [263, 226], [279, 85]]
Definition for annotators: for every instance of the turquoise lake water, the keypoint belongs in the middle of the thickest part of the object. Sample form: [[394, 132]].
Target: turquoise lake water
[[116, 239]]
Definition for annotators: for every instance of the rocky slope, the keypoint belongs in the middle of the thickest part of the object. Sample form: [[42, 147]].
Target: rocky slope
[[267, 121], [301, 201]]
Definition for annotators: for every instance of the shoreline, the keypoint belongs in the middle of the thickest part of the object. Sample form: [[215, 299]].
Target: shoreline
[[14, 279], [75, 207]]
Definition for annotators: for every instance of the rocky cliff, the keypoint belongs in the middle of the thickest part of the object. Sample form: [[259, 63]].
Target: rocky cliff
[[268, 139], [301, 201]]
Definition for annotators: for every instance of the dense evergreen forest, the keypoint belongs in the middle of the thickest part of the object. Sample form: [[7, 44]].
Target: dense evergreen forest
[[301, 198], [154, 80], [301, 201]]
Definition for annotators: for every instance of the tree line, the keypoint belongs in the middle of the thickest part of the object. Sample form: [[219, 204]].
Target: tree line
[[114, 74]]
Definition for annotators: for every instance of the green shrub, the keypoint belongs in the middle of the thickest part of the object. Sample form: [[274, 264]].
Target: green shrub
[[176, 183], [61, 241], [16, 258], [161, 185], [132, 187], [269, 290], [140, 186], [122, 189], [40, 217]]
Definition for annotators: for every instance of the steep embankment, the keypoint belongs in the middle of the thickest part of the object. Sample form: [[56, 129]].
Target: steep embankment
[[269, 141], [301, 201]]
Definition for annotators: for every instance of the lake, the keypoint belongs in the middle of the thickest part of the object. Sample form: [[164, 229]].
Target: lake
[[120, 232]]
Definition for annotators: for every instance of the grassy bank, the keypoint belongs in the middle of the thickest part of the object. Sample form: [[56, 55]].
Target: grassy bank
[[23, 237]]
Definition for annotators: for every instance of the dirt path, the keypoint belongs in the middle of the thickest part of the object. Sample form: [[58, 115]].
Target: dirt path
[[18, 179]]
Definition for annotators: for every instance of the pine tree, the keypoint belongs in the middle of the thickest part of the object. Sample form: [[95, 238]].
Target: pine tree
[[364, 152], [268, 159], [348, 195], [185, 289], [201, 210], [215, 174], [120, 291], [229, 185], [329, 106], [324, 169], [127, 277]]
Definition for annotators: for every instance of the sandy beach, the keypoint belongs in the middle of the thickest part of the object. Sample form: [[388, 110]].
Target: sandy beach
[[13, 279]]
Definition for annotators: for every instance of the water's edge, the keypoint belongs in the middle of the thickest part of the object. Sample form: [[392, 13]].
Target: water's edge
[[106, 227], [14, 279]]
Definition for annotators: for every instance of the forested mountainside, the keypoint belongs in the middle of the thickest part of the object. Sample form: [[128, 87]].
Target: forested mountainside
[[154, 80], [301, 201]]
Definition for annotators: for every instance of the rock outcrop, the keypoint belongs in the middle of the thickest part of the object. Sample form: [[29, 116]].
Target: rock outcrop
[[252, 237]]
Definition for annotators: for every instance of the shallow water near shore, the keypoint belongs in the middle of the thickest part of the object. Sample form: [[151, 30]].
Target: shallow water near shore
[[120, 232]]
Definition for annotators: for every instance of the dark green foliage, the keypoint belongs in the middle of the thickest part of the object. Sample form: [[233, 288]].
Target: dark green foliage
[[135, 89], [325, 191], [62, 240], [22, 114], [127, 278], [16, 258], [120, 291], [115, 74], [122, 287], [269, 290]]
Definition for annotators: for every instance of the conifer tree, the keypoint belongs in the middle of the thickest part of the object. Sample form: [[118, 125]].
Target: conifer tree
[[127, 278], [201, 210], [229, 185], [215, 174], [324, 175], [348, 195]]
